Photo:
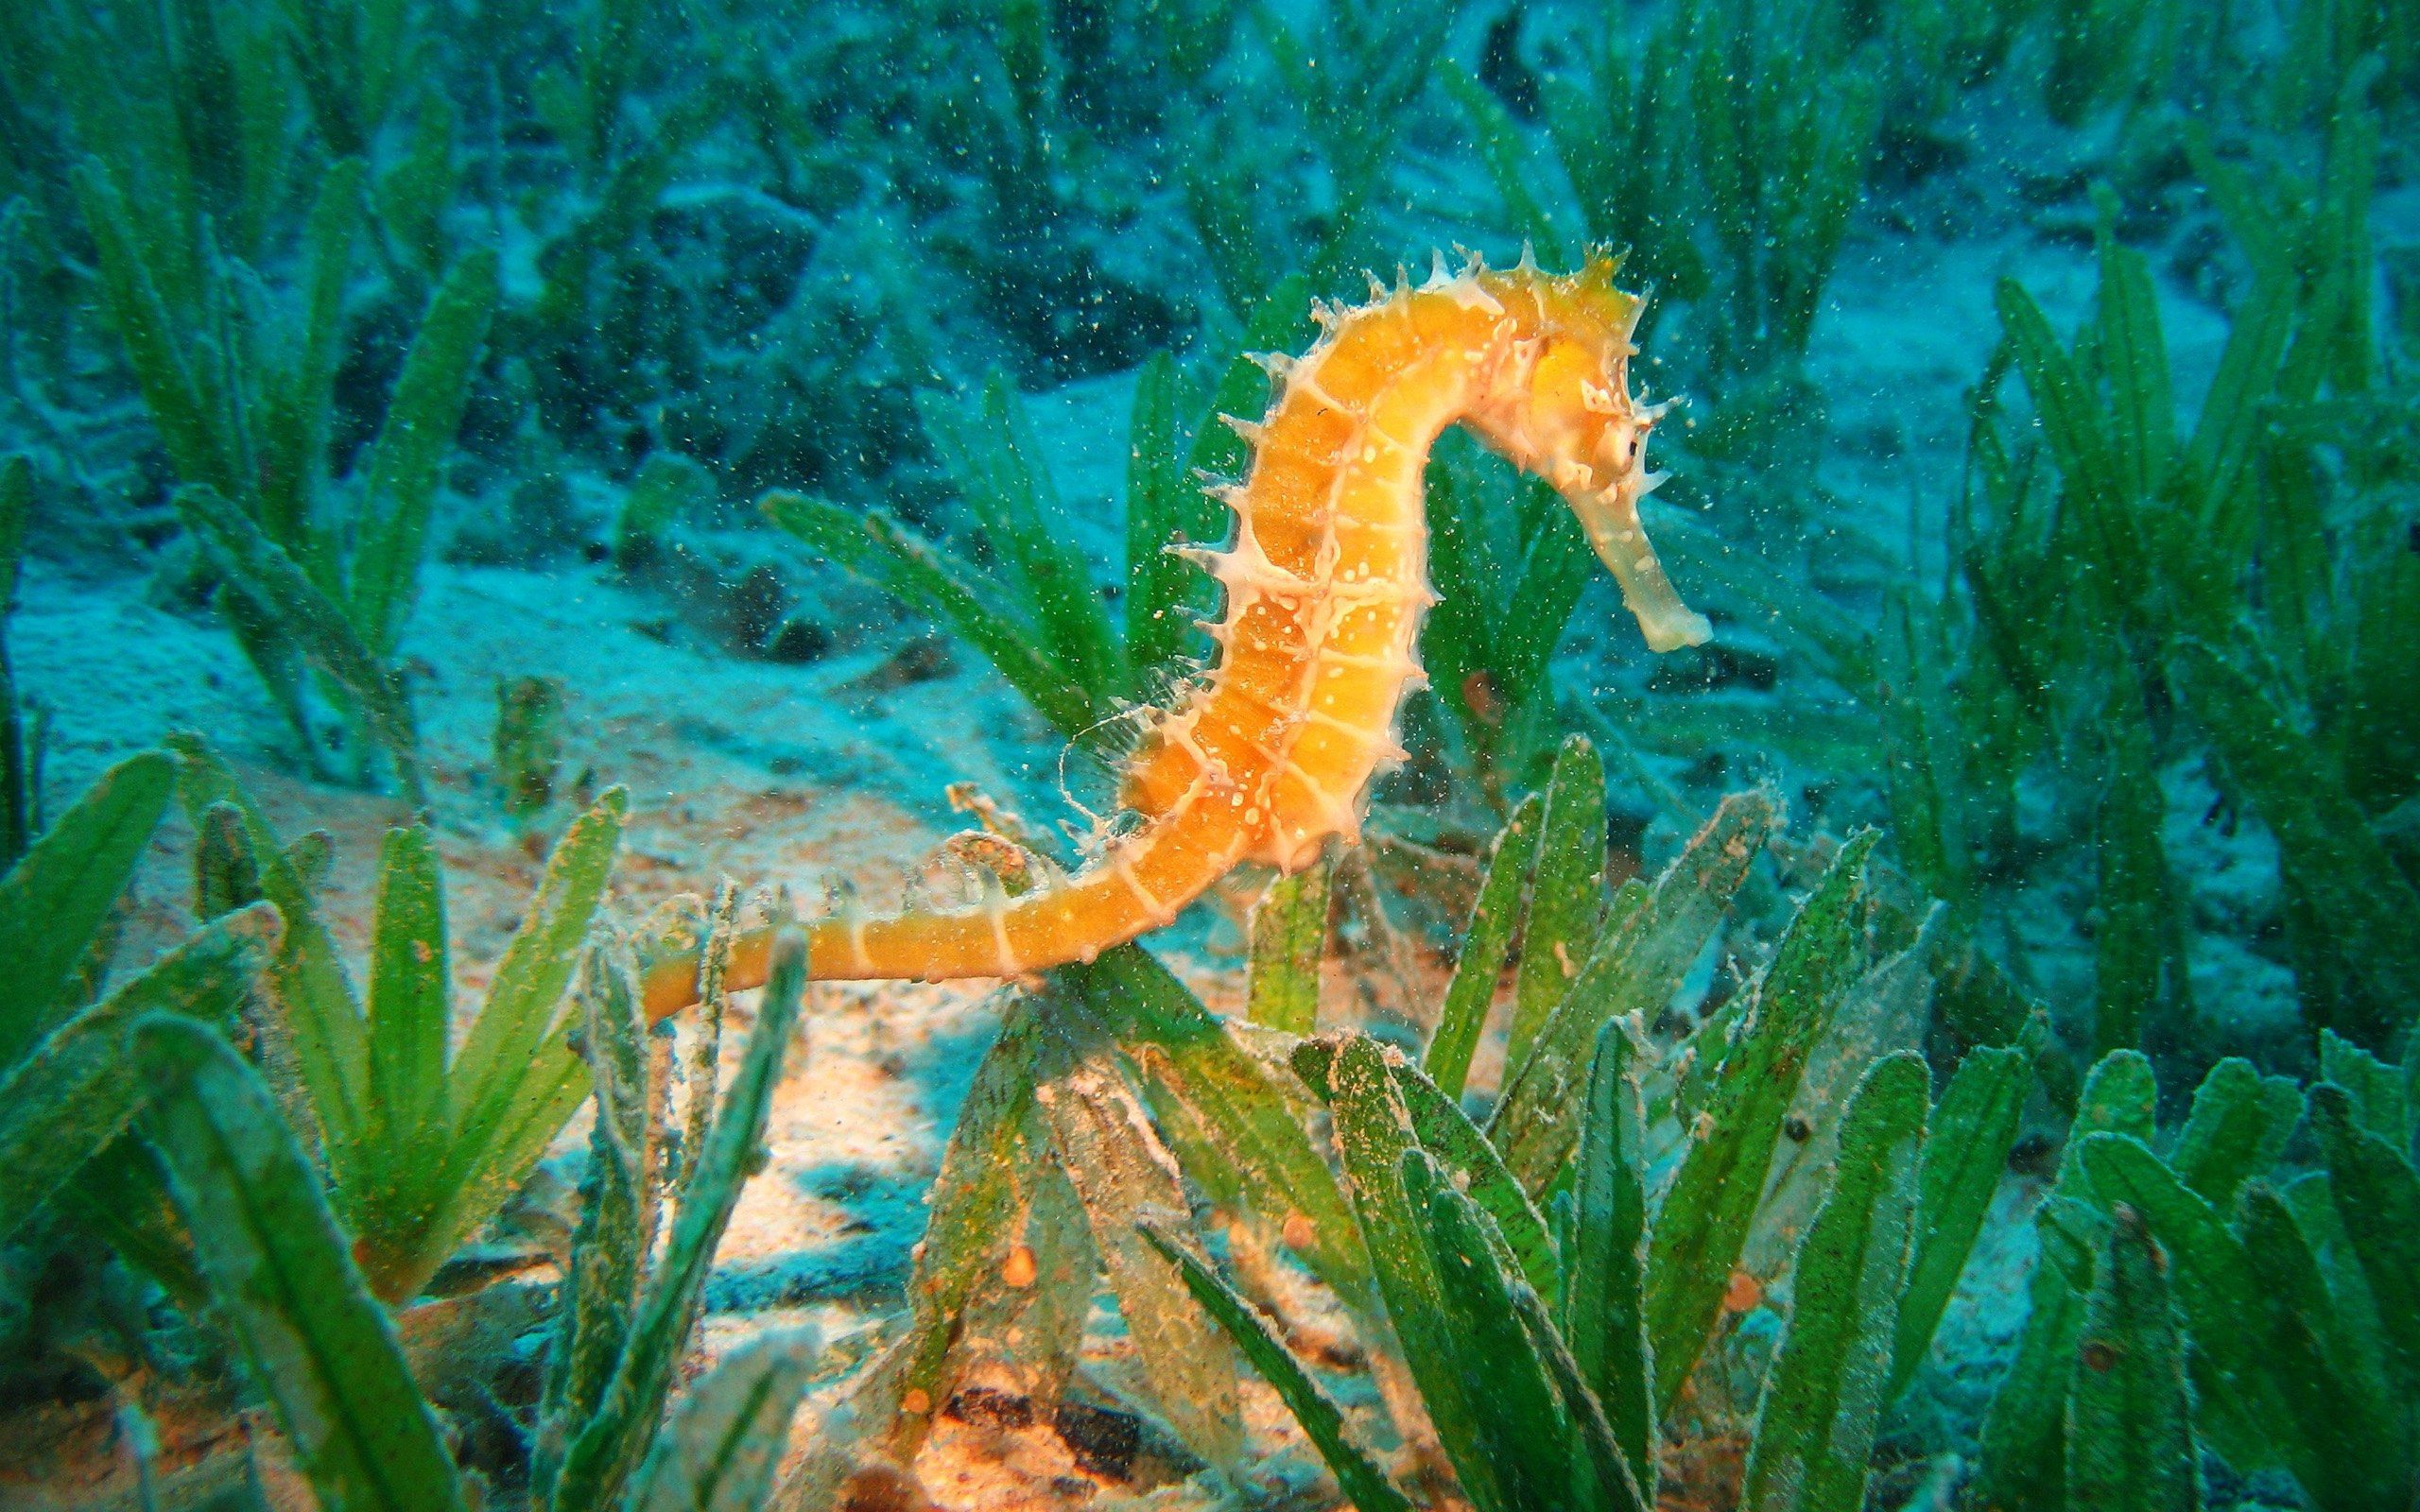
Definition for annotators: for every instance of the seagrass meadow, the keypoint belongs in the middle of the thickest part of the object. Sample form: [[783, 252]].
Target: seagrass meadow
[[1527, 755]]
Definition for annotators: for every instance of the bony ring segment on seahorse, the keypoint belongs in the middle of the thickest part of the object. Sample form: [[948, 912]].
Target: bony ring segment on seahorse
[[1272, 751]]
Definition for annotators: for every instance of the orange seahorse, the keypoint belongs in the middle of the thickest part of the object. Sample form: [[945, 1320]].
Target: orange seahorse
[[1270, 752]]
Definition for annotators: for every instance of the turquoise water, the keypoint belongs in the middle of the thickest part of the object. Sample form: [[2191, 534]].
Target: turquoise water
[[758, 429]]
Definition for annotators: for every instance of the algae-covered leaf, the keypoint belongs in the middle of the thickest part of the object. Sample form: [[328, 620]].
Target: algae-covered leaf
[[1604, 1317], [2238, 1126], [265, 574], [185, 412], [2327, 850], [1541, 1433], [1364, 1484], [1373, 1135], [1609, 1481], [606, 1449], [878, 548], [2229, 425], [1288, 941], [1566, 893], [2024, 1434], [291, 418], [2118, 1097], [1450, 1137], [122, 1196], [315, 1000], [2024, 1458], [2134, 353], [2071, 412], [1515, 1438], [2355, 1337], [423, 414], [1555, 567], [997, 464], [1125, 1176], [2130, 1437], [1823, 1400], [55, 899], [2375, 1088], [1642, 953], [987, 1175], [516, 1080], [1703, 1224], [226, 874], [1234, 1106], [611, 1243], [1966, 1155], [2263, 1363], [2378, 1197], [317, 1345], [1457, 1143], [718, 1450], [72, 1094], [411, 997], [1485, 941], [1165, 508], [2355, 1450], [2136, 969]]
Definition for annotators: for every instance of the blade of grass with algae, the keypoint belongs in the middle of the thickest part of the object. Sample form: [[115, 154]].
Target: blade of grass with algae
[[318, 1346], [1194, 1059], [873, 545], [2262, 1354], [2377, 1194], [719, 1449], [1486, 940], [1604, 1279], [515, 1080], [1362, 1483], [2129, 1433], [1646, 947], [1449, 1136], [1123, 1174], [1373, 1134], [1289, 940], [72, 1096], [422, 415], [1703, 1222], [1824, 1398], [1965, 1155], [316, 1004], [54, 900], [1541, 1431], [1566, 893], [607, 1449], [2238, 1126], [269, 576]]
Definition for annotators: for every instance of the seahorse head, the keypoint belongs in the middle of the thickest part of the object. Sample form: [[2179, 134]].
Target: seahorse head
[[1564, 411]]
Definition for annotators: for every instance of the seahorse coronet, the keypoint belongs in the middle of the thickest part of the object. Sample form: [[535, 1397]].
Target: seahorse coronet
[[1269, 750]]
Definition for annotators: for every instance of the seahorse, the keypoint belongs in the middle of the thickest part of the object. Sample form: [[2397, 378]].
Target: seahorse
[[1269, 754]]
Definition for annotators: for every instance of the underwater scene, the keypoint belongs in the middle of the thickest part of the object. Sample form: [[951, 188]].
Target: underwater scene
[[966, 755]]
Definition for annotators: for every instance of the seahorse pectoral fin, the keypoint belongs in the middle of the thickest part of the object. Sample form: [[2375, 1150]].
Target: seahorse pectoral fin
[[1610, 516]]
